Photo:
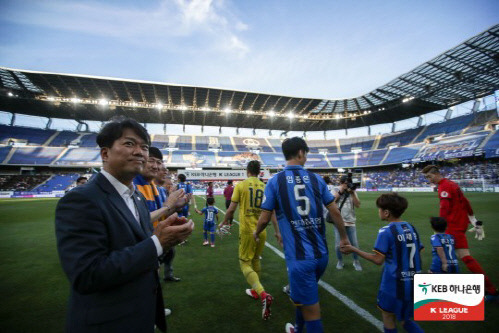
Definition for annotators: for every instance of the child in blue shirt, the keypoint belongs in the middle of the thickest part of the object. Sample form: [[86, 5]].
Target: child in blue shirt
[[444, 259], [210, 213], [398, 246]]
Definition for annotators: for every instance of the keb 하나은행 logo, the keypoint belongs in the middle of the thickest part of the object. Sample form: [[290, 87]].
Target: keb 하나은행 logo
[[455, 297]]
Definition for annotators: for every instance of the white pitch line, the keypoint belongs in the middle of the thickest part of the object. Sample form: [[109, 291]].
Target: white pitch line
[[330, 289]]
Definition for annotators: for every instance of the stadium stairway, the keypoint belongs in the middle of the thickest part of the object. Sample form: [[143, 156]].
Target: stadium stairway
[[271, 147], [338, 146], [384, 157], [59, 156], [419, 134], [484, 142], [376, 141], [9, 155], [233, 144], [52, 137]]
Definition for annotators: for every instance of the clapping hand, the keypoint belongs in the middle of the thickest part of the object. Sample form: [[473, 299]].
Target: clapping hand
[[178, 199], [173, 230]]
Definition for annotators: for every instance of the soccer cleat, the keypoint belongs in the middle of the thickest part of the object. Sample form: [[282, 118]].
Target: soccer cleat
[[251, 293], [286, 290], [205, 243], [339, 265], [212, 245], [167, 312], [290, 328], [266, 303], [356, 265]]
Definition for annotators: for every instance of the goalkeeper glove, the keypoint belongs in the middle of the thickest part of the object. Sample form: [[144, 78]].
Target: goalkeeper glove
[[477, 228], [224, 231]]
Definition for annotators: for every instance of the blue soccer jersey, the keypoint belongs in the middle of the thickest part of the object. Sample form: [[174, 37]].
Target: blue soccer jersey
[[399, 242], [209, 214], [446, 242], [298, 196], [187, 187]]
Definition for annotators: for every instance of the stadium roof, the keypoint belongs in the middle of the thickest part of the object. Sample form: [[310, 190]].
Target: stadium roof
[[466, 72]]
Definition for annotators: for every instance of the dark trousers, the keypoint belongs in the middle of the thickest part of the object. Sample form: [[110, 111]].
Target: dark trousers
[[167, 262]]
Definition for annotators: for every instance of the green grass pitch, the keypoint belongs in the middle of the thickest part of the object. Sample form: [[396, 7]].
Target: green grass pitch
[[210, 297]]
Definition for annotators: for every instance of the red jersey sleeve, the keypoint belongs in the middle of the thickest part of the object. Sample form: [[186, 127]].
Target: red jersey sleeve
[[467, 206], [445, 195]]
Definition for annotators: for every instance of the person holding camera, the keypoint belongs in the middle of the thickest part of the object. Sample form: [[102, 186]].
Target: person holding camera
[[347, 200]]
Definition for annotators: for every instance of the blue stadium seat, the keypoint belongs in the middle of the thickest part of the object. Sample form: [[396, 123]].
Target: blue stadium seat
[[57, 183], [64, 138], [341, 160], [35, 155], [34, 136], [80, 156], [401, 154]]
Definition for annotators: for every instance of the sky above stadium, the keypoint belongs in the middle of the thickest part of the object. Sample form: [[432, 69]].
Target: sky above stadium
[[319, 49]]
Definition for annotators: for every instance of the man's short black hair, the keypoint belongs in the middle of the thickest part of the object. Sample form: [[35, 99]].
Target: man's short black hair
[[229, 182], [253, 167], [155, 152], [291, 147], [327, 179], [81, 178], [113, 130], [343, 179], [392, 202], [181, 177], [439, 224], [210, 201]]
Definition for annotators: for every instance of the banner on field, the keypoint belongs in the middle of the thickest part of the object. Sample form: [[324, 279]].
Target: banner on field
[[219, 174], [452, 147], [449, 297]]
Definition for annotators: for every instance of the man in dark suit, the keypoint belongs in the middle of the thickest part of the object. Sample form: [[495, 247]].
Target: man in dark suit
[[106, 242]]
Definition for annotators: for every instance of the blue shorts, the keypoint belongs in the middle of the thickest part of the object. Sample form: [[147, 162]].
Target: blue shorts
[[303, 277], [184, 211], [209, 227], [403, 309]]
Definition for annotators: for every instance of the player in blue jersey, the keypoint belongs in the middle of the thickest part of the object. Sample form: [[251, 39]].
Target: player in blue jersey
[[188, 191], [444, 259], [298, 197], [210, 213], [398, 246]]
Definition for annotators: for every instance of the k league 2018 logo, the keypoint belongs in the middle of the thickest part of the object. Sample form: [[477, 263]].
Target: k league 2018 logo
[[449, 297]]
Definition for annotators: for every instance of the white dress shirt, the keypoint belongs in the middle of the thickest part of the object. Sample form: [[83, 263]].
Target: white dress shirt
[[126, 193]]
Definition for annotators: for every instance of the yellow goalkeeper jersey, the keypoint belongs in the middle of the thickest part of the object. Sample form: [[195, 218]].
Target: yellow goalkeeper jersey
[[249, 195]]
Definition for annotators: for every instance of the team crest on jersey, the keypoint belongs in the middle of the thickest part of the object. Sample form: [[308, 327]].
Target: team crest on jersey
[[444, 194]]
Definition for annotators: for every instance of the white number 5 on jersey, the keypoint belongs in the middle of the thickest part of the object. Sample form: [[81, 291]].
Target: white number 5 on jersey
[[298, 197]]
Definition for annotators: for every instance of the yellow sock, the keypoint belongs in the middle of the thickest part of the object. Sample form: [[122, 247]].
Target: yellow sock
[[251, 276], [256, 265]]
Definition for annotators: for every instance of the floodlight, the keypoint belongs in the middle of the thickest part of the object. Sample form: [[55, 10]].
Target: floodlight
[[159, 106], [271, 113], [227, 110], [291, 115], [103, 101], [75, 100], [50, 98], [10, 94]]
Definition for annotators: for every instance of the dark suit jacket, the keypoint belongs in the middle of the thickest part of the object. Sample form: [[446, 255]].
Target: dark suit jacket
[[110, 260]]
